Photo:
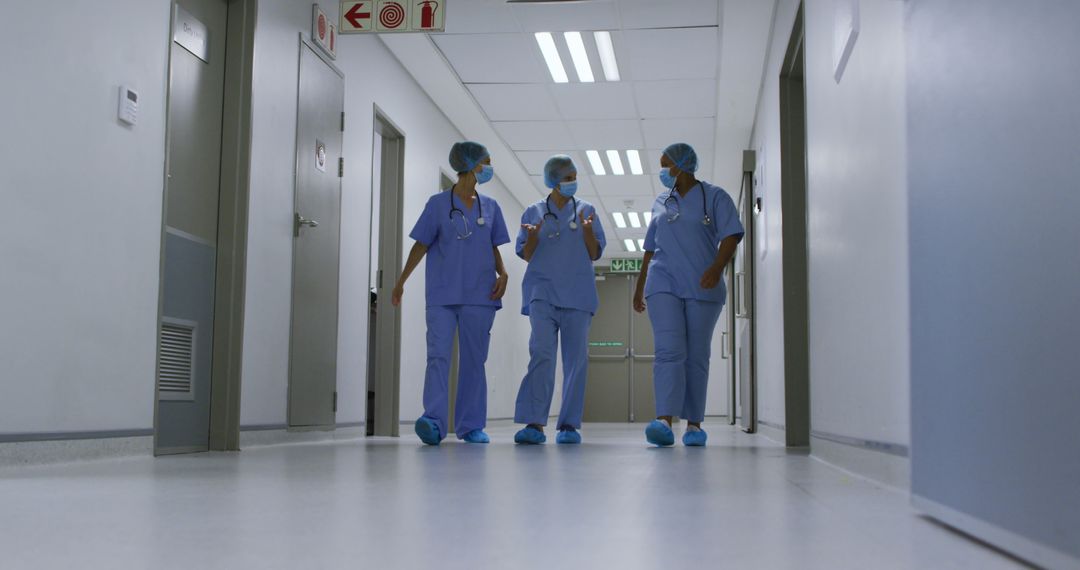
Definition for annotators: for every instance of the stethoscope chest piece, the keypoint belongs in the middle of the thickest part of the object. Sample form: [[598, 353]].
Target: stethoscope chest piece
[[480, 221], [573, 225]]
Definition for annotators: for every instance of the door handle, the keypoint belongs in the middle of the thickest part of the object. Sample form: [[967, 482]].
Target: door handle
[[642, 356], [299, 221]]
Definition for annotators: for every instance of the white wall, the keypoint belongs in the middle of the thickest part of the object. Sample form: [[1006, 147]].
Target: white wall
[[857, 226], [372, 77], [82, 197]]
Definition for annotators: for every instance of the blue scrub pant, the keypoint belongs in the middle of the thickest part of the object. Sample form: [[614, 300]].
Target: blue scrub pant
[[534, 397], [682, 329], [473, 325]]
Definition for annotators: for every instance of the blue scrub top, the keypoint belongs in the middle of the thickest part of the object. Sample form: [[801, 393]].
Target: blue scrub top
[[684, 249], [560, 271], [460, 271]]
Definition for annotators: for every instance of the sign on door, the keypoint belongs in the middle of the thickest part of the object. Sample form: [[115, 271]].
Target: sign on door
[[390, 16]]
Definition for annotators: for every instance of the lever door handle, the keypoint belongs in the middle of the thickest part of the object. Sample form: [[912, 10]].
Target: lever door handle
[[299, 221]]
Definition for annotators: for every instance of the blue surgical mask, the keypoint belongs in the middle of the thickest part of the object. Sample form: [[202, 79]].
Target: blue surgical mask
[[485, 174], [568, 189], [666, 178]]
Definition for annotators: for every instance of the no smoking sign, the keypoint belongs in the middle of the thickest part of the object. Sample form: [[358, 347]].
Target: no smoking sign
[[388, 16]]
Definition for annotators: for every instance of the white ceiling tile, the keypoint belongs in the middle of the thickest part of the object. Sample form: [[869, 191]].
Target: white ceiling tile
[[682, 53], [595, 100], [534, 160], [653, 14], [534, 135], [676, 98], [515, 101], [605, 135], [494, 58], [698, 133], [480, 17], [624, 185], [567, 17]]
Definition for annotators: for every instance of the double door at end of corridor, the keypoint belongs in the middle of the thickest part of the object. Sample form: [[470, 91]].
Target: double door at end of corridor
[[620, 381]]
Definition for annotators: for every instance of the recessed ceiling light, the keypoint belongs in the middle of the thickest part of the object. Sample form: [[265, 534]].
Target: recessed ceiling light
[[641, 243], [551, 56], [620, 221], [629, 243], [616, 162], [648, 217], [580, 56], [607, 55], [597, 164], [635, 221], [633, 158]]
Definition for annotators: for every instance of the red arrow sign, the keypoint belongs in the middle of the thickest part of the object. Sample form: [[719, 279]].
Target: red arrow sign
[[356, 17]]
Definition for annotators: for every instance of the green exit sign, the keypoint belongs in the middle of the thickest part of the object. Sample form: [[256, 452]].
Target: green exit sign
[[626, 265]]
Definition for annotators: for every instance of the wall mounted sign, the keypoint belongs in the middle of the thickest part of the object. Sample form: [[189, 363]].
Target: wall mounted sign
[[191, 34], [605, 343], [320, 155], [323, 33], [626, 265], [391, 16]]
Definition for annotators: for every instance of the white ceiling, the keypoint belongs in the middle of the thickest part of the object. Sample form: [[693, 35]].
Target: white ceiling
[[669, 54]]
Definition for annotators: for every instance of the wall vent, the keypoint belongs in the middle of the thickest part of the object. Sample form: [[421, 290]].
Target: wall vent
[[176, 359]]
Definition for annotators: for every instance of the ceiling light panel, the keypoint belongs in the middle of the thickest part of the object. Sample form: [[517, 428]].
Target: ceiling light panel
[[616, 163], [633, 159], [595, 162], [620, 220], [647, 216], [641, 243], [546, 42], [606, 50], [630, 245], [579, 56], [635, 220]]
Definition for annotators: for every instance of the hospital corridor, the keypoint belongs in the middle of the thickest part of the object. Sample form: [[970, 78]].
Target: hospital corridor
[[500, 284]]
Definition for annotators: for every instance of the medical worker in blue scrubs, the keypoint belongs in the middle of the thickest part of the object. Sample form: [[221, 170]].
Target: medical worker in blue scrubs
[[560, 237], [693, 234], [460, 231]]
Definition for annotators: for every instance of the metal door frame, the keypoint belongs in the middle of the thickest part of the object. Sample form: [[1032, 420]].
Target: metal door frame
[[795, 259], [391, 190], [233, 201], [307, 44]]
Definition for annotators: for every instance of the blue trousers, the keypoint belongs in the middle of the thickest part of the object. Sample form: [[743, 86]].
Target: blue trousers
[[682, 329], [473, 325], [534, 397]]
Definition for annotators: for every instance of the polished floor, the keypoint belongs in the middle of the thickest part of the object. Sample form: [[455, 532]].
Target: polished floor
[[743, 502]]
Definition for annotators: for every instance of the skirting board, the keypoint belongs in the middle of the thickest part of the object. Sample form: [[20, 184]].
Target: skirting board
[[1020, 546]]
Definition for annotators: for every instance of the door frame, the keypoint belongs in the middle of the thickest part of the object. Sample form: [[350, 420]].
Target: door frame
[[387, 381], [795, 257], [233, 200]]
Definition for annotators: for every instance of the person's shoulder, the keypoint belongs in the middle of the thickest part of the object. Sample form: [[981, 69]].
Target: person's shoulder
[[715, 192], [488, 201], [585, 205], [436, 197]]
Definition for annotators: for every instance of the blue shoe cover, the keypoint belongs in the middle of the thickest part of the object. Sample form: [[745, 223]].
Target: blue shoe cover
[[476, 436], [428, 431], [694, 438], [658, 433], [529, 435], [568, 435]]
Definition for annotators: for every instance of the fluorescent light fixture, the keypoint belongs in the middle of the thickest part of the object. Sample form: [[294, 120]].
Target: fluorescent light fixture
[[647, 216], [607, 55], [580, 56], [633, 158], [551, 56], [641, 243], [629, 243], [597, 164], [635, 221], [616, 162], [620, 221]]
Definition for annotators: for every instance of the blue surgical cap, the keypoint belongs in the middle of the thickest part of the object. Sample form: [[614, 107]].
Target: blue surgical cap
[[465, 155], [683, 156], [557, 168]]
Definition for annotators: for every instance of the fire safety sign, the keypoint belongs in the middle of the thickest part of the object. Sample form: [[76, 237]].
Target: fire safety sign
[[388, 16]]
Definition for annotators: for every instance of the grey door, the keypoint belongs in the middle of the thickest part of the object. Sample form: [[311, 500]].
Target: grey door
[[746, 407], [313, 343], [607, 391], [196, 96]]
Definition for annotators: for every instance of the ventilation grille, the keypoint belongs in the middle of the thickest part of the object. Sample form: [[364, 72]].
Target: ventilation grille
[[176, 366]]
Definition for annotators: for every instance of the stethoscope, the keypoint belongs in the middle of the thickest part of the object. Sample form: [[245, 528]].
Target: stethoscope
[[454, 208], [573, 223], [704, 205]]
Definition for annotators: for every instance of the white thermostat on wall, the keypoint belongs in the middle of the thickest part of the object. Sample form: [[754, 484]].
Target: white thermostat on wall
[[128, 109]]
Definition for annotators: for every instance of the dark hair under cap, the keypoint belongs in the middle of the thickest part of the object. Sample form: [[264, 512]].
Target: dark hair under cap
[[465, 155]]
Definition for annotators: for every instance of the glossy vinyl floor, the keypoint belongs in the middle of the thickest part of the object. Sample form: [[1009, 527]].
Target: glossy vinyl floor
[[743, 502]]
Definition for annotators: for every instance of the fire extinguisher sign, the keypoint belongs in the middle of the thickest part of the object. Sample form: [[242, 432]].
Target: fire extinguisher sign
[[389, 16]]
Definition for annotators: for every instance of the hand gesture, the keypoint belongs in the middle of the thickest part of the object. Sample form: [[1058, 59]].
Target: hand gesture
[[587, 224], [533, 230], [711, 277]]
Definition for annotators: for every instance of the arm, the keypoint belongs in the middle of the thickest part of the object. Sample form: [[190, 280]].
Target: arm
[[724, 253], [532, 241], [500, 281], [639, 291], [415, 255], [591, 243]]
